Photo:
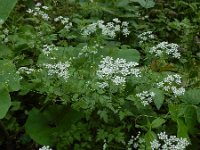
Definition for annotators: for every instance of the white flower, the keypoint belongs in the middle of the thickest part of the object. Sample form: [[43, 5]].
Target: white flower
[[116, 70], [102, 85], [59, 69], [118, 80], [37, 11], [109, 29], [25, 70], [45, 148], [146, 97], [172, 84], [155, 144], [47, 49], [166, 142], [145, 36], [166, 48]]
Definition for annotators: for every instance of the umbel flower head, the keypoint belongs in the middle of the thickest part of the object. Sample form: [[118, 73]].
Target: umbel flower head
[[165, 48], [166, 142], [117, 70], [45, 148]]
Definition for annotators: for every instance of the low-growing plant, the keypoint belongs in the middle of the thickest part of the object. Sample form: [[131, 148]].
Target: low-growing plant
[[99, 74]]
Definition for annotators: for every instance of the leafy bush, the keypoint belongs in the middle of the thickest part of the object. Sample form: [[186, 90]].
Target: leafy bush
[[99, 74]]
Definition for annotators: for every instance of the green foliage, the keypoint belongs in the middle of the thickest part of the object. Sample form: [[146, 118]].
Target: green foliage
[[98, 74], [6, 6], [5, 102], [41, 126]]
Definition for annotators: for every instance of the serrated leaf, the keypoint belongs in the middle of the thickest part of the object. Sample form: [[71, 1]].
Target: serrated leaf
[[157, 122], [6, 6], [5, 102], [158, 99], [192, 96]]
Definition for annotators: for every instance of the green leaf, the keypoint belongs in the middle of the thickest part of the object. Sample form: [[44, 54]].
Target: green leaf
[[158, 98], [41, 126], [5, 102], [157, 122], [128, 54], [145, 3], [123, 3], [103, 115], [198, 114], [190, 118], [8, 76], [5, 52], [6, 6], [182, 129], [149, 137], [192, 96]]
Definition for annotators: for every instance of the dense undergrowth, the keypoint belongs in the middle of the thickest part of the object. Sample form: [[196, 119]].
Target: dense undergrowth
[[99, 74]]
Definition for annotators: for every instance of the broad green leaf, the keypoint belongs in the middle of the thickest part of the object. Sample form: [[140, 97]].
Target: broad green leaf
[[182, 129], [192, 96], [145, 3], [158, 98], [8, 76], [5, 102], [6, 6], [190, 118], [41, 126], [123, 3], [128, 54], [5, 52], [157, 122]]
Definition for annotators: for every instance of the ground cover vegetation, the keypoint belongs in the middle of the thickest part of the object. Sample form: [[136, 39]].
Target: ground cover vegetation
[[99, 74]]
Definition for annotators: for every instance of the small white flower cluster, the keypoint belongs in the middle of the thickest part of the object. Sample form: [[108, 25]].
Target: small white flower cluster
[[135, 142], [110, 29], [105, 145], [45, 148], [1, 22], [25, 70], [4, 35], [47, 49], [64, 21], [171, 83], [146, 97], [86, 51], [145, 36], [39, 10], [167, 49], [116, 70], [166, 142], [60, 69], [102, 85]]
